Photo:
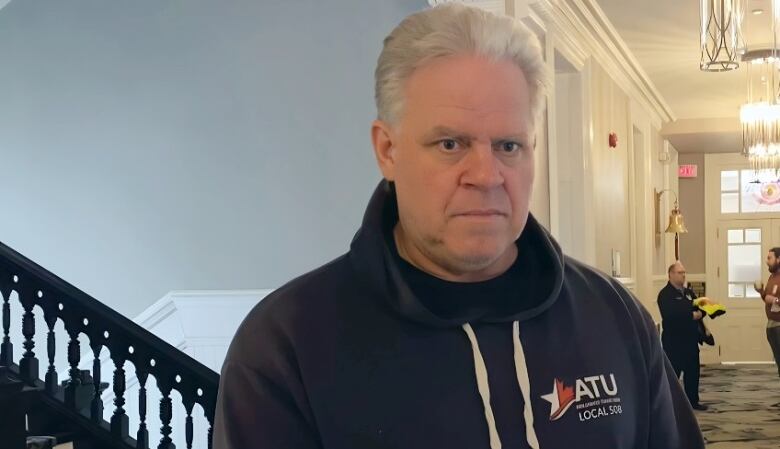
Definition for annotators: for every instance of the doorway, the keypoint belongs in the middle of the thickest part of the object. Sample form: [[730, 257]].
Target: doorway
[[741, 247]]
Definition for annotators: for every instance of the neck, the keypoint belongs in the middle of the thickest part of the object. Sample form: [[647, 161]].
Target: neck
[[412, 254]]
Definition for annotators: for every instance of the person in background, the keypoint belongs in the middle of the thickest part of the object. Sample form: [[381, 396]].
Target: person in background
[[769, 294], [680, 334]]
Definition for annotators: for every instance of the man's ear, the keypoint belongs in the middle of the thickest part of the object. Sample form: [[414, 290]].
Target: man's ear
[[383, 138]]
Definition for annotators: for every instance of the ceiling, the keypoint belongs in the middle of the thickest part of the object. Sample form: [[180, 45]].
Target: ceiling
[[663, 35]]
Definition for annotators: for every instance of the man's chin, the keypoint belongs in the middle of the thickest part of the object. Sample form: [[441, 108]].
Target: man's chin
[[481, 259], [475, 262]]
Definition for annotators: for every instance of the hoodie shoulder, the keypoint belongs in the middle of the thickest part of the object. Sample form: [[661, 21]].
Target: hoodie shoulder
[[284, 315], [577, 271], [606, 287], [309, 288], [625, 306]]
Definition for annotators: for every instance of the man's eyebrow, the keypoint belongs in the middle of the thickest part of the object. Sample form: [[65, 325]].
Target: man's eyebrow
[[439, 131], [519, 136]]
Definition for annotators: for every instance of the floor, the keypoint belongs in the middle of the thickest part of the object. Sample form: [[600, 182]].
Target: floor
[[744, 406]]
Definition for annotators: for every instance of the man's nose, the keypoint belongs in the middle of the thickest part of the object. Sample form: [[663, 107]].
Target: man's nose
[[482, 168]]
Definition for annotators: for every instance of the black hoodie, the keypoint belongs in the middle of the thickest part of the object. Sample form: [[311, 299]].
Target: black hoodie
[[348, 357]]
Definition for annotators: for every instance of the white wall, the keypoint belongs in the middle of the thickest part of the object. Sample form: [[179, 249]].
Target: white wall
[[570, 162], [156, 145], [540, 197], [659, 255], [612, 172], [602, 197]]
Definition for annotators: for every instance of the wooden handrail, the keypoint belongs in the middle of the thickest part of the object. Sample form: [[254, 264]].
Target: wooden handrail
[[125, 340]]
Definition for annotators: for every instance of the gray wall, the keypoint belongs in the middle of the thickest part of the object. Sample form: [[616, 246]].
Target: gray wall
[[152, 145], [692, 244]]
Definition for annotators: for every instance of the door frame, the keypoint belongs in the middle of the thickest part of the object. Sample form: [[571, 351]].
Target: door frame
[[715, 258], [740, 337]]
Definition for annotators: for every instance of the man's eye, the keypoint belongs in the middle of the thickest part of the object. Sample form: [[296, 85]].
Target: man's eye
[[448, 144], [509, 147]]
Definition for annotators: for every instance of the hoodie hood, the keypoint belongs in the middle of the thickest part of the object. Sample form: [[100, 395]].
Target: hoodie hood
[[384, 275]]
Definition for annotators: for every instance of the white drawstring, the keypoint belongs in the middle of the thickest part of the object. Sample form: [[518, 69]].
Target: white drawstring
[[525, 387], [482, 386], [523, 381]]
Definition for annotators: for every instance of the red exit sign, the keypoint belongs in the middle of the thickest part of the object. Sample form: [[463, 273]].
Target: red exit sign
[[687, 171]]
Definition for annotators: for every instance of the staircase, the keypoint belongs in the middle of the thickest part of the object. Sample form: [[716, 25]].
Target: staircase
[[72, 410]]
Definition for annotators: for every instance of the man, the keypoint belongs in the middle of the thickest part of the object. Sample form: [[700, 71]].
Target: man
[[680, 336], [769, 295], [454, 321]]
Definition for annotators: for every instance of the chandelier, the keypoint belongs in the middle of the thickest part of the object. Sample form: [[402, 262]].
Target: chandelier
[[720, 36], [760, 116], [761, 133]]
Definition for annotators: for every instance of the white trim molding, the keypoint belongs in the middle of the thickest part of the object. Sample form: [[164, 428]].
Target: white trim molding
[[193, 320], [581, 27]]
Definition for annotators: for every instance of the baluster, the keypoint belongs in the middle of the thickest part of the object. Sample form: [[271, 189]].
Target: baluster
[[119, 421], [188, 431], [96, 407], [28, 365], [166, 414], [6, 348], [142, 437], [51, 374], [74, 374]]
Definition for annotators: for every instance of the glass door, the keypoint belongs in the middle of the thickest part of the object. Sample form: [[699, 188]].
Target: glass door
[[742, 245]]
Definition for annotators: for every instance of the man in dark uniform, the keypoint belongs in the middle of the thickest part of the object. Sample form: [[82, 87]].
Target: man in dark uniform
[[680, 337]]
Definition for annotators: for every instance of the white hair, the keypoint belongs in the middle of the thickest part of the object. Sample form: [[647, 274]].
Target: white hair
[[453, 29]]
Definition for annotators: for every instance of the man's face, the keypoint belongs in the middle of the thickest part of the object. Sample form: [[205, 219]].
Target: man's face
[[677, 275], [772, 262], [461, 158]]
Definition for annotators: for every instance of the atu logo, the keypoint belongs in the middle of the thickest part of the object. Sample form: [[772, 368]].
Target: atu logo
[[563, 397]]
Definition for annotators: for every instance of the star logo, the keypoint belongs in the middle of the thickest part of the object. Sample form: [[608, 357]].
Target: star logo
[[561, 398]]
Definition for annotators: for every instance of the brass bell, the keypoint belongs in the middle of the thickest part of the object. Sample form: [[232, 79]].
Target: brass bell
[[676, 222]]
